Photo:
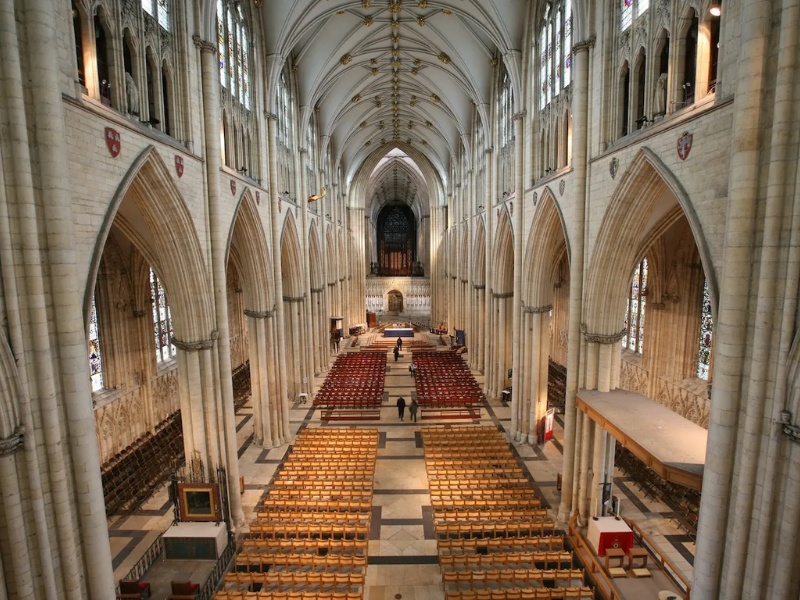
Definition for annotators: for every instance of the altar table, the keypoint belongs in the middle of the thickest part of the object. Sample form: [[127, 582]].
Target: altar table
[[609, 532]]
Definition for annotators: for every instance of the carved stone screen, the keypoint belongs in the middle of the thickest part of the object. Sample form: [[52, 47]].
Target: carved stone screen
[[397, 241]]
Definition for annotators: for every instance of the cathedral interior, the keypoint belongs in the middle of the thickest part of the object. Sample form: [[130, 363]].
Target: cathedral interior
[[235, 233]]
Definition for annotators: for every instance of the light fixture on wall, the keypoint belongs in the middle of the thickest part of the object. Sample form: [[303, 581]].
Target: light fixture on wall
[[243, 171], [715, 9], [548, 170]]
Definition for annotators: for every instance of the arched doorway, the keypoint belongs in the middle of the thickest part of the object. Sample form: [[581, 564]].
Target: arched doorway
[[395, 302]]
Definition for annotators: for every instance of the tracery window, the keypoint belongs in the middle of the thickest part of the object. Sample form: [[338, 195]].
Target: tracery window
[[506, 136], [555, 52], [95, 358], [285, 136], [633, 339], [159, 9], [630, 10], [162, 320], [706, 333], [311, 158], [234, 50]]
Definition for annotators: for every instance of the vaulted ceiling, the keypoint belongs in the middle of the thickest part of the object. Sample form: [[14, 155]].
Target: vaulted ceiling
[[385, 74]]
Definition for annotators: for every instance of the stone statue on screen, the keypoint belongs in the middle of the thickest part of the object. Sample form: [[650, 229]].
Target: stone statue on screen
[[132, 95], [660, 98]]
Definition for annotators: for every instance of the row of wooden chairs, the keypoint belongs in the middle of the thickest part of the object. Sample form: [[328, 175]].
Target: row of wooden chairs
[[252, 562], [564, 593], [483, 530], [295, 579], [302, 495], [435, 460], [500, 578], [327, 547], [510, 516], [507, 560], [445, 502], [554, 543], [486, 482], [301, 531], [348, 506], [246, 595], [292, 516]]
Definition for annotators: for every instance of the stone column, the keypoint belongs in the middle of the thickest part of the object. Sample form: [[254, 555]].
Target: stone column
[[21, 560], [281, 401], [260, 376], [83, 504], [598, 470], [518, 396], [219, 243], [310, 335], [580, 138]]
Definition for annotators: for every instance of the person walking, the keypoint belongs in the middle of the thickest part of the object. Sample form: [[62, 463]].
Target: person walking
[[401, 407], [399, 343], [396, 352], [411, 368], [412, 410]]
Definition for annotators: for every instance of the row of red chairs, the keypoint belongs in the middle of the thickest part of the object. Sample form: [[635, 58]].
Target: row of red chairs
[[355, 381], [443, 379]]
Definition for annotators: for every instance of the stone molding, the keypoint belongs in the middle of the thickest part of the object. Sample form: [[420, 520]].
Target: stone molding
[[198, 345], [586, 44], [203, 45], [602, 338], [478, 286], [259, 314], [331, 284], [12, 443], [520, 115], [465, 281], [502, 295], [294, 298], [537, 310], [318, 290]]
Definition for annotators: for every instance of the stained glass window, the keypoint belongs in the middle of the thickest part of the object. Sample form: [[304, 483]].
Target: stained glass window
[[245, 68], [149, 7], [162, 320], [223, 72], [163, 14], [95, 358], [567, 43], [633, 339], [555, 52], [626, 17], [706, 333]]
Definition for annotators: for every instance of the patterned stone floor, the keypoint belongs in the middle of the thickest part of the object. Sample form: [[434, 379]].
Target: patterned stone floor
[[402, 550]]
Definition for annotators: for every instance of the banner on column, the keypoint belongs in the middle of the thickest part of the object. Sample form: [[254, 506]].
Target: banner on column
[[548, 423]]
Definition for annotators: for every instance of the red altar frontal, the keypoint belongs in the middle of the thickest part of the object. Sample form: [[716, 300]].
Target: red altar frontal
[[609, 532]]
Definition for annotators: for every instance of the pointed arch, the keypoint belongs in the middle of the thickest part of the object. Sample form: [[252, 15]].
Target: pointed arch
[[479, 254], [149, 208], [291, 259], [315, 257], [11, 392], [503, 282], [547, 245], [648, 200], [247, 246]]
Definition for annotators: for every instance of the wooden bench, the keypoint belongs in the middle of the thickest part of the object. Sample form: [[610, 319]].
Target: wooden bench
[[351, 414], [456, 412]]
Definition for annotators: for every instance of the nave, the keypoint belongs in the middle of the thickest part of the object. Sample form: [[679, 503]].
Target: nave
[[402, 546]]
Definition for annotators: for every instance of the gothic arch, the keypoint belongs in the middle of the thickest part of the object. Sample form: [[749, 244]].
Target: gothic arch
[[547, 244], [247, 245], [11, 392], [644, 204], [291, 259], [150, 210], [503, 282], [315, 257], [479, 255]]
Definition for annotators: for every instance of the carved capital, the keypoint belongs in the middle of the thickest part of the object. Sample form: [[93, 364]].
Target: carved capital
[[271, 116], [584, 45], [197, 345], [203, 45], [537, 310], [502, 295], [12, 443], [259, 314], [519, 116], [478, 286], [294, 298], [317, 290], [465, 281], [602, 338]]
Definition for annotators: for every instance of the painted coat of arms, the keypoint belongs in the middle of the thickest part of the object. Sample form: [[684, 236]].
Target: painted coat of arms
[[113, 142], [179, 166], [613, 167], [685, 145]]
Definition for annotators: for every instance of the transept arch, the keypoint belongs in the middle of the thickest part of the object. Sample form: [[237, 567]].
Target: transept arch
[[149, 207]]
